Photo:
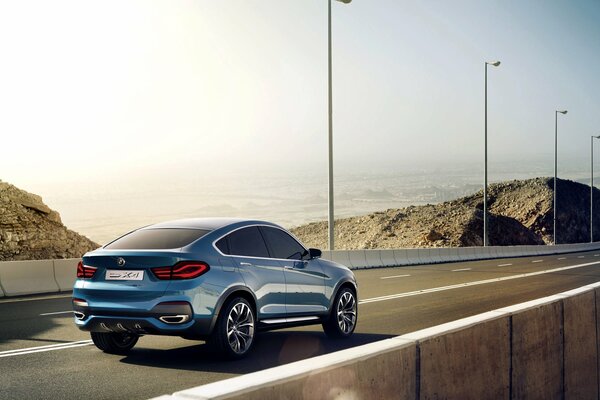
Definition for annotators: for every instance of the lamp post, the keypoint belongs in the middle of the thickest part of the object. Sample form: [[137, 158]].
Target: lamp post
[[555, 168], [592, 188], [330, 140], [485, 166]]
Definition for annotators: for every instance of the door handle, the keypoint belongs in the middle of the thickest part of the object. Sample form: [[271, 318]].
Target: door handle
[[245, 264]]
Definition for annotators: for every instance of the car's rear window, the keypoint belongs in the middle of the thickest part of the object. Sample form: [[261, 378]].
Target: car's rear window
[[164, 238]]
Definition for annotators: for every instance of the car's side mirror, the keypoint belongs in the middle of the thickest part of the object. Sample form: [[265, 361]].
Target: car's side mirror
[[314, 253]]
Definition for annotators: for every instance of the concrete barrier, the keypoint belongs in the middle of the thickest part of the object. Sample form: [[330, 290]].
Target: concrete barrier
[[424, 257], [492, 252], [533, 250], [326, 255], [589, 246], [448, 254], [401, 257], [387, 258], [545, 250], [537, 351], [509, 251], [543, 349], [342, 257], [358, 259], [373, 258], [65, 273], [580, 346], [597, 295], [513, 251], [355, 373], [479, 355], [27, 277], [412, 255], [501, 251], [434, 254], [466, 253], [43, 276], [482, 253], [576, 247]]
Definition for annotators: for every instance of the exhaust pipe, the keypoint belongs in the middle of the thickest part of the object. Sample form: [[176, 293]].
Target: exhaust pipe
[[174, 319], [79, 315]]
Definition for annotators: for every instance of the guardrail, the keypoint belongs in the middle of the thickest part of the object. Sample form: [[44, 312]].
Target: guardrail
[[49, 276], [545, 348]]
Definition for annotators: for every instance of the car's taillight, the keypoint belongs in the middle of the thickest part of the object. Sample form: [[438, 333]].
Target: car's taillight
[[182, 270], [162, 273], [85, 271]]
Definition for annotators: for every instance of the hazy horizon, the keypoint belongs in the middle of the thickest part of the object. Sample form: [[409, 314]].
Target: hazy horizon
[[105, 210], [114, 98]]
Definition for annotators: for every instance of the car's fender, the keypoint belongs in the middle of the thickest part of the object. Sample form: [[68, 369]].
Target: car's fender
[[225, 295]]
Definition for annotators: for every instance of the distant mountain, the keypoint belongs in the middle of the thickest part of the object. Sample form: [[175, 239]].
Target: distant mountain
[[30, 230], [520, 213]]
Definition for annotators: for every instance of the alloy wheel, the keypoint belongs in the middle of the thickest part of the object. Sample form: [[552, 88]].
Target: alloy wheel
[[346, 312], [240, 328]]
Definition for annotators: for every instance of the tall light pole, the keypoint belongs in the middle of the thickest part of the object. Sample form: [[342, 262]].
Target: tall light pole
[[330, 147], [592, 189], [555, 167], [485, 167]]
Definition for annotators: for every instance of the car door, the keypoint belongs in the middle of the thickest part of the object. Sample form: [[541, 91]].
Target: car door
[[304, 278], [261, 274]]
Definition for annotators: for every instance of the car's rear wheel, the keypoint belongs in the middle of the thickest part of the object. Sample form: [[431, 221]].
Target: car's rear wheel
[[344, 314], [114, 343], [234, 332]]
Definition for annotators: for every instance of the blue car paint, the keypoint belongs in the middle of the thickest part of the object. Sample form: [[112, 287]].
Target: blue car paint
[[278, 288]]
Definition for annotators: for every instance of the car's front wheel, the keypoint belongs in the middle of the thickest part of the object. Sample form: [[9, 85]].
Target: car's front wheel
[[114, 343], [344, 314], [234, 332]]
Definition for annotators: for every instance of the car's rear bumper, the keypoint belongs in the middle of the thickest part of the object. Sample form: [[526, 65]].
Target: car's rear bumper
[[163, 319]]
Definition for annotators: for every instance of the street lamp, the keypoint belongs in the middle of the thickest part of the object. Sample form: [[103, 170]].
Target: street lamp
[[330, 158], [485, 172], [555, 166], [592, 189]]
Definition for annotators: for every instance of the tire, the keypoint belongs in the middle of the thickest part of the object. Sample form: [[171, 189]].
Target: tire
[[114, 343], [344, 315], [235, 329]]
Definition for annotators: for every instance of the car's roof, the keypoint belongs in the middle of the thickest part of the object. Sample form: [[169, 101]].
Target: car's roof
[[202, 223]]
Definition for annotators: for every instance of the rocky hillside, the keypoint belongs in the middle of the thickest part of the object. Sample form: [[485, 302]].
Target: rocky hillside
[[30, 230], [520, 212]]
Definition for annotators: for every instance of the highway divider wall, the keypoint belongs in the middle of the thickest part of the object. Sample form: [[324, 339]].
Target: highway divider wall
[[546, 348], [37, 276], [48, 276], [359, 259]]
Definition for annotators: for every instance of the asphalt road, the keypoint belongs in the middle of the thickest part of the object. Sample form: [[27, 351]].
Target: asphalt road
[[44, 356]]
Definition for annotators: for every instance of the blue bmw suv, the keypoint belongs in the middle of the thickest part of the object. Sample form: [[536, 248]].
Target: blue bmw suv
[[219, 280]]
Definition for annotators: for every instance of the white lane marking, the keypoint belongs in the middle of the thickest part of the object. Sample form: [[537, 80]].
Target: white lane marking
[[461, 269], [596, 255], [44, 347], [504, 265], [580, 256], [35, 299], [39, 349], [466, 284], [561, 258], [537, 261], [58, 312], [394, 276]]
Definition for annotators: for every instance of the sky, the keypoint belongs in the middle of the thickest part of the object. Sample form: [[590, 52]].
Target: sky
[[154, 90]]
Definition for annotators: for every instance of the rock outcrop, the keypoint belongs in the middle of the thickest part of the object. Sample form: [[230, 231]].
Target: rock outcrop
[[520, 213], [30, 230]]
